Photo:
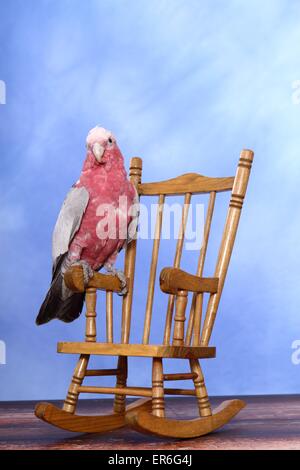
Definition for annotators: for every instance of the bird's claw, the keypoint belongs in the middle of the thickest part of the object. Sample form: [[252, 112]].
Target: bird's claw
[[121, 276], [88, 272]]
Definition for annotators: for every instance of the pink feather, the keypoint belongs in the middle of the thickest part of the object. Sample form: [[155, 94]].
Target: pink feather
[[106, 183]]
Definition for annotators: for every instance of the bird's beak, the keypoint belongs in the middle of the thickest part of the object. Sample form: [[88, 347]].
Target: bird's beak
[[98, 151]]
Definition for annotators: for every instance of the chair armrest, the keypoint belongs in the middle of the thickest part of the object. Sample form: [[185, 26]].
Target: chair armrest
[[174, 279], [74, 280]]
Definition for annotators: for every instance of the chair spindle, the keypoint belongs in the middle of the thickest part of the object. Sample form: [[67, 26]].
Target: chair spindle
[[71, 400], [176, 264], [120, 400], [195, 317], [135, 174], [200, 389], [109, 317], [158, 401], [153, 269], [90, 328], [179, 320]]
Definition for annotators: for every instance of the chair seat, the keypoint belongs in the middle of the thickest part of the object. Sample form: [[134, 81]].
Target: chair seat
[[141, 350]]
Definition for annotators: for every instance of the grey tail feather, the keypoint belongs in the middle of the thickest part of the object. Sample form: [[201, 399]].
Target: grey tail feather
[[54, 307]]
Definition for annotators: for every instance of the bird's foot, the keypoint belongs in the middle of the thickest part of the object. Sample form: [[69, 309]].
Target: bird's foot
[[122, 278], [88, 272], [120, 275]]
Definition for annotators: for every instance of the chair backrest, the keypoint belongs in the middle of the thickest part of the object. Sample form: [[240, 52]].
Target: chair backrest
[[199, 327]]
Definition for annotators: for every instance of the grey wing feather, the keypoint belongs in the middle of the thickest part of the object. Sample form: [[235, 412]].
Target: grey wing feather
[[68, 221]]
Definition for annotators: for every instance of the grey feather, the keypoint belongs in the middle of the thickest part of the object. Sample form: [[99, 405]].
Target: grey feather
[[60, 302], [68, 221]]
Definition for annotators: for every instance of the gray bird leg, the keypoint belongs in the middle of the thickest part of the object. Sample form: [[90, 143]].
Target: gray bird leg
[[88, 272], [120, 275]]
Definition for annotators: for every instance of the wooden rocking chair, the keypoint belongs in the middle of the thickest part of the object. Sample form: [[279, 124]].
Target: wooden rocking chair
[[189, 341]]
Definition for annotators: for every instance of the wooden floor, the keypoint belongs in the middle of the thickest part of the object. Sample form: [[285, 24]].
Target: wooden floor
[[268, 422]]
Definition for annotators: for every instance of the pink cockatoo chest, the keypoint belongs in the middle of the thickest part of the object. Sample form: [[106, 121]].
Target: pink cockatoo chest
[[103, 229]]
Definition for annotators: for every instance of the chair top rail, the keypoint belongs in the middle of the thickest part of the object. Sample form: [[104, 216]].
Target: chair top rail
[[190, 182]]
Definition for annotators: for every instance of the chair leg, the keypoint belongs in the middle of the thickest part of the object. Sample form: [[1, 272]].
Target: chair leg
[[78, 376], [200, 388], [120, 400], [158, 400]]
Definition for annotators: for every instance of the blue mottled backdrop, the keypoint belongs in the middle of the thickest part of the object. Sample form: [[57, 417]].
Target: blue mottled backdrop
[[185, 85]]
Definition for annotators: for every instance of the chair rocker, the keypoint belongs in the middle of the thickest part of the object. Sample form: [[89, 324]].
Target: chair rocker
[[186, 340]]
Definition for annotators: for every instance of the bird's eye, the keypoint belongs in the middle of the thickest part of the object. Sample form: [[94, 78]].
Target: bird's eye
[[110, 140]]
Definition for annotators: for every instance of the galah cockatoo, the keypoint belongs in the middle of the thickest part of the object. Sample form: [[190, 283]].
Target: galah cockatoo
[[98, 217]]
